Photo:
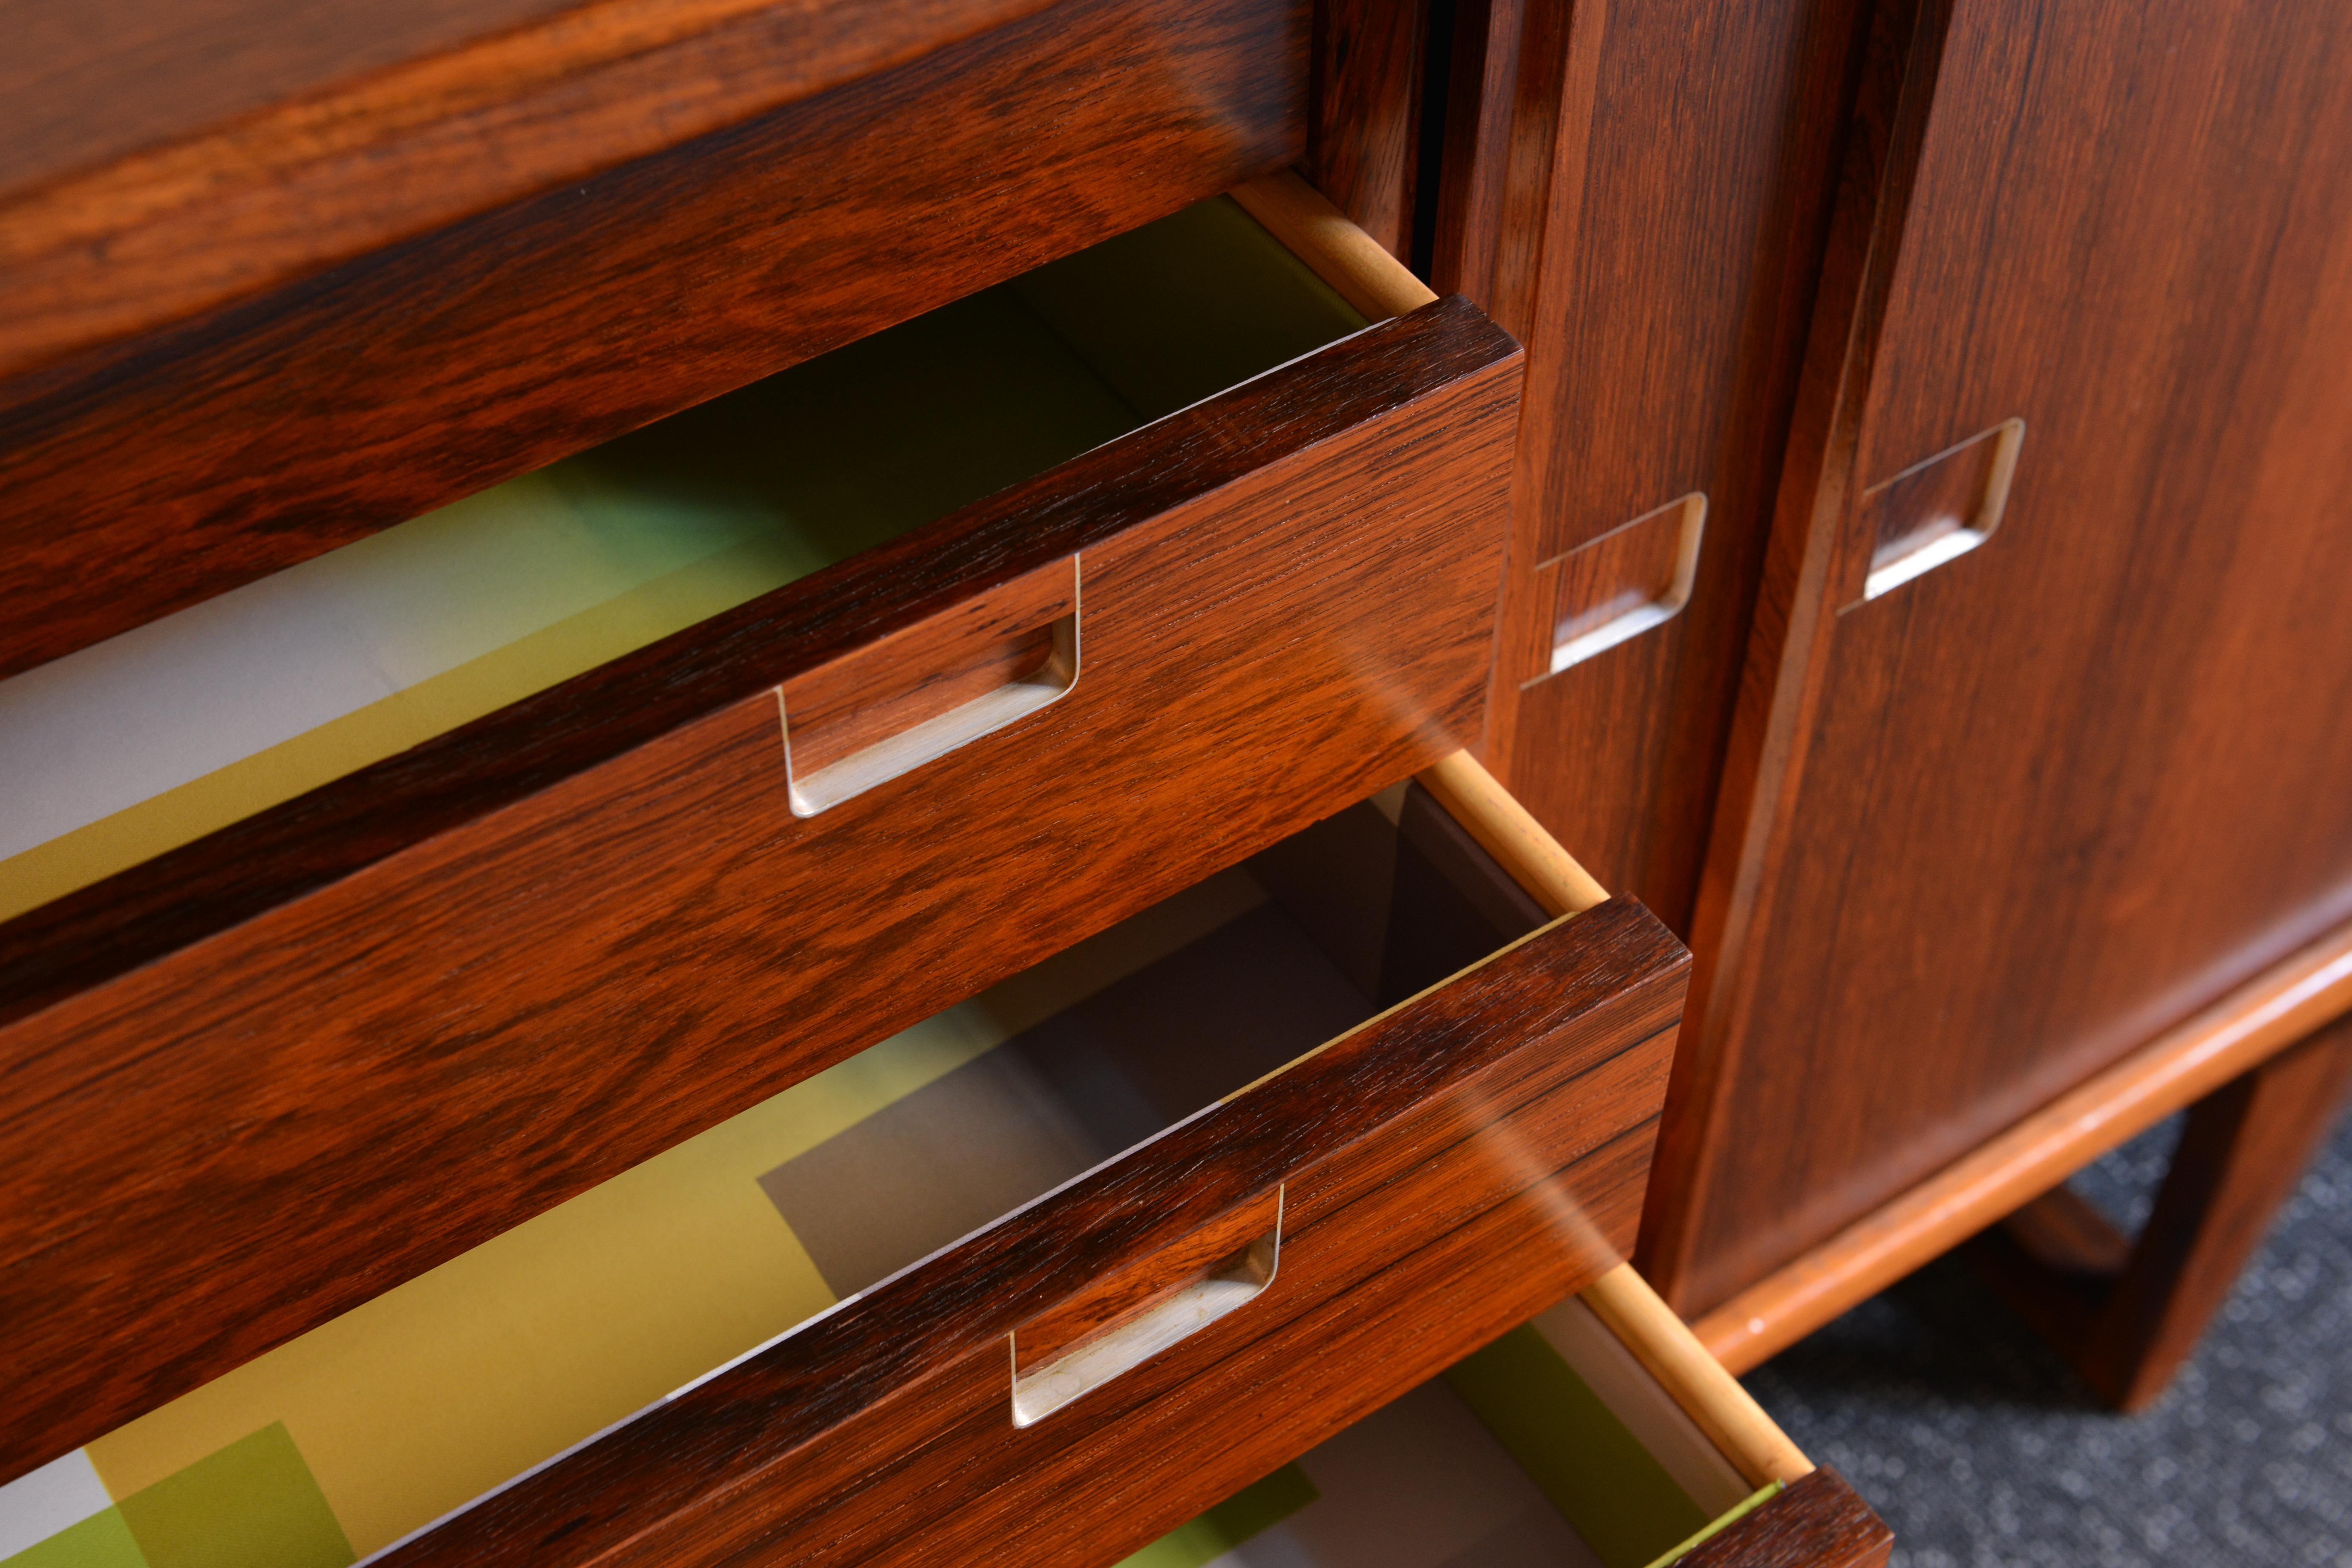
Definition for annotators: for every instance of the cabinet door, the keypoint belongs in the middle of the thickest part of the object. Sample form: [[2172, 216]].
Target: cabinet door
[[2017, 786], [1639, 193]]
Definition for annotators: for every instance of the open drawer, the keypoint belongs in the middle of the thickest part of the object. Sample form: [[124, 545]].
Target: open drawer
[[794, 719], [1597, 1435], [1033, 1280]]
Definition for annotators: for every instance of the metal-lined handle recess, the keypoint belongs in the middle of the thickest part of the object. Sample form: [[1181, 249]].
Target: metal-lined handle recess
[[917, 694], [1938, 509], [1121, 1322]]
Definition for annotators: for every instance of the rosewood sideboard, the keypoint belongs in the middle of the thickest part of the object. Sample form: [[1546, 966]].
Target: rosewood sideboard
[[786, 783]]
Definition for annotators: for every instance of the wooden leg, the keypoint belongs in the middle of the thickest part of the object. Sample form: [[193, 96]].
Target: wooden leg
[[2128, 1313]]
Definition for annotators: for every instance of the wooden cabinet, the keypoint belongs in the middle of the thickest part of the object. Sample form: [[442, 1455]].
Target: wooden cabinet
[[1597, 1433], [1268, 1260], [505, 330], [1868, 486], [1639, 196], [1044, 663]]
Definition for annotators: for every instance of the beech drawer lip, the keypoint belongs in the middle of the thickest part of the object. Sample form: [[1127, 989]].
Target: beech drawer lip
[[377, 1026]]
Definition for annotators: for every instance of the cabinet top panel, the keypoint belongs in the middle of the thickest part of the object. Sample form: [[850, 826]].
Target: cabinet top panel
[[163, 159]]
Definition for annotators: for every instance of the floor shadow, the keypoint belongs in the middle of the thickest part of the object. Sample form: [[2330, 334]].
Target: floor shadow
[[1939, 1335], [1978, 1445]]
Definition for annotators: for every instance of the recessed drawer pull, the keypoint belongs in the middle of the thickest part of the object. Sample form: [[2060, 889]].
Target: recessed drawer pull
[[1938, 509], [917, 694], [1611, 589], [1121, 1322]]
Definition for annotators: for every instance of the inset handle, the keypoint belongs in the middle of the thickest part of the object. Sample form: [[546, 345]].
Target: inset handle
[[1936, 510], [1608, 590], [1119, 1324], [917, 694]]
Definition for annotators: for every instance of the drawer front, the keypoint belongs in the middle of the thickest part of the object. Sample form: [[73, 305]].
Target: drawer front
[[1442, 1172], [1818, 1521], [1287, 599], [151, 474]]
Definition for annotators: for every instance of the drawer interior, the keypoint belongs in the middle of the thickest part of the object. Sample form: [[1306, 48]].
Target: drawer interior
[[1552, 1448], [136, 745], [373, 1425]]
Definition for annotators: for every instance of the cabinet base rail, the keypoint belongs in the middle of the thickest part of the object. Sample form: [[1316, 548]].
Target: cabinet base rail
[[2180, 1067]]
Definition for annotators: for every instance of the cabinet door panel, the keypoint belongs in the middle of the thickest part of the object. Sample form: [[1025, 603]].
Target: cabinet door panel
[[1992, 827], [1639, 193]]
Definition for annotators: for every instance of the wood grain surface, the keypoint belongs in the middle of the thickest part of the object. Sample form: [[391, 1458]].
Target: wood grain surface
[[93, 83], [1638, 193], [1879, 155], [353, 1036], [1111, 1300], [2000, 828], [1817, 1522], [2180, 1067], [1325, 1370], [918, 672], [1364, 113], [1506, 72], [144, 477], [885, 1428], [210, 155]]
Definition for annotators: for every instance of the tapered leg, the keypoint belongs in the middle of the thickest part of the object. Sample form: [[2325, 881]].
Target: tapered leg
[[2128, 1313]]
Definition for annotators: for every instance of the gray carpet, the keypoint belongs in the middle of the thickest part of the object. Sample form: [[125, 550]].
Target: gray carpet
[[1982, 1451]]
